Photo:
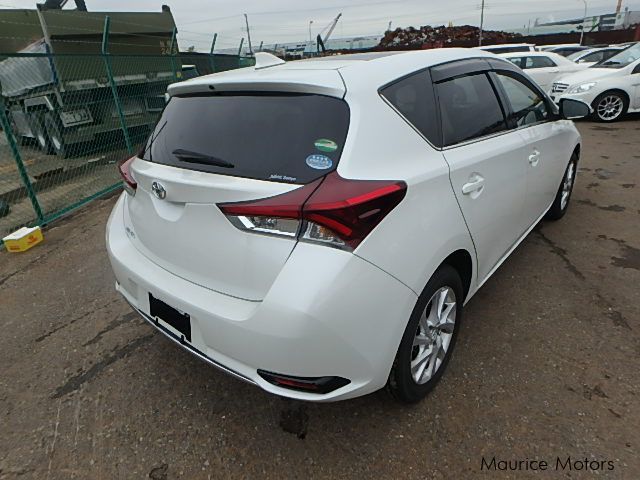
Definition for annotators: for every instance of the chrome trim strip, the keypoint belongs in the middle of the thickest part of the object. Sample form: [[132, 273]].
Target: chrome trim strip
[[191, 349]]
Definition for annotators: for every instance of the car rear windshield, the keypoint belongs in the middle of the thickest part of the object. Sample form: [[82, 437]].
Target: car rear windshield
[[293, 138]]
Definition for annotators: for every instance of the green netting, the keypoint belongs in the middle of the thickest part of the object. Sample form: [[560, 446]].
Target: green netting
[[68, 118]]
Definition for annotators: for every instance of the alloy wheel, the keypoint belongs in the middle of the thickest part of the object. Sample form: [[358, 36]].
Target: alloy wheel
[[567, 185], [610, 107], [433, 335]]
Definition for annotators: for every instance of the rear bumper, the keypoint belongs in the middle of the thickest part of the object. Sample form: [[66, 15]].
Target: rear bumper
[[328, 313]]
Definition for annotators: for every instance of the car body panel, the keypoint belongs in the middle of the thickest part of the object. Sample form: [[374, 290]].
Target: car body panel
[[548, 148], [494, 212], [187, 234], [315, 303]]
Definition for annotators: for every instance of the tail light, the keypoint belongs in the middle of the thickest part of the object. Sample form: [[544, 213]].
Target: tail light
[[332, 210], [124, 167]]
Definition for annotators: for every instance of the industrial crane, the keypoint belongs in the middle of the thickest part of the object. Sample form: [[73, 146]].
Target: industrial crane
[[320, 41]]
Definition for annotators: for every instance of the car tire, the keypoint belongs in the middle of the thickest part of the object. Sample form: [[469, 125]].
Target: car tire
[[610, 106], [430, 329], [54, 131], [560, 204]]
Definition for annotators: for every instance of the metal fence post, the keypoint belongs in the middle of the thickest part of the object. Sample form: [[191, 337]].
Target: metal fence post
[[240, 49], [112, 83], [211, 57], [11, 139], [173, 55]]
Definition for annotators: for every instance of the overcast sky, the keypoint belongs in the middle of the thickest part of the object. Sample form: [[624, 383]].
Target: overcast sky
[[288, 20]]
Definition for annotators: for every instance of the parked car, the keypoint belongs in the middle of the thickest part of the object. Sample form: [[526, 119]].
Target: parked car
[[316, 227], [565, 51], [543, 67], [611, 87], [545, 48], [509, 47], [590, 57]]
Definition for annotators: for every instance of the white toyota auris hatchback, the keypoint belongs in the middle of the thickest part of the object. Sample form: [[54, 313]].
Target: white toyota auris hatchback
[[316, 227]]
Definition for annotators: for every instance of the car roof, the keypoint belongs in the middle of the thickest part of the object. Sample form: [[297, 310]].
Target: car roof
[[326, 75], [527, 54], [555, 56], [505, 45]]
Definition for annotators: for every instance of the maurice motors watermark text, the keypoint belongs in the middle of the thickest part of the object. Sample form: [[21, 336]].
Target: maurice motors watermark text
[[560, 464]]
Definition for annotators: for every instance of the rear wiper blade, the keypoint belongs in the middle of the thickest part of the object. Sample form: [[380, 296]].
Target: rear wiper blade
[[195, 157]]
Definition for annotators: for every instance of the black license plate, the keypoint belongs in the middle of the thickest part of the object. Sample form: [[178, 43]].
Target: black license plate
[[178, 320]]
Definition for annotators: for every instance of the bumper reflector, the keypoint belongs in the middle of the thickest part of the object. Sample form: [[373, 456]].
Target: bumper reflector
[[304, 384]]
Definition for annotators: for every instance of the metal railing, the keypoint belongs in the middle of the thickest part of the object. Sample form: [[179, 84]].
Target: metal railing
[[66, 119]]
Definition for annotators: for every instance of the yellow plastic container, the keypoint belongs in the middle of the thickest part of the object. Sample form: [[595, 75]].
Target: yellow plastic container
[[23, 239]]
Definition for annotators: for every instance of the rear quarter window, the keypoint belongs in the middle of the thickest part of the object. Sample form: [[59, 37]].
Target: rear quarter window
[[292, 138], [414, 98]]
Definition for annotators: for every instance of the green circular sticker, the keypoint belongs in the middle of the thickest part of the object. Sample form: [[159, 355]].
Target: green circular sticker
[[326, 145]]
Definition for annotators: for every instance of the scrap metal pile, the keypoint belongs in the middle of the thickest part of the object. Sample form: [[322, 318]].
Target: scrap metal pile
[[442, 36]]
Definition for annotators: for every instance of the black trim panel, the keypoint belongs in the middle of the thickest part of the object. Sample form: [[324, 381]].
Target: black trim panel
[[447, 71]]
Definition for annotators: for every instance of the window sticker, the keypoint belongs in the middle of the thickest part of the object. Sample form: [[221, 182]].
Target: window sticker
[[319, 162], [326, 145]]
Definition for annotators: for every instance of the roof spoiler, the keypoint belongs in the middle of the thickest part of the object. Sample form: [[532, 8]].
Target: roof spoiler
[[266, 60]]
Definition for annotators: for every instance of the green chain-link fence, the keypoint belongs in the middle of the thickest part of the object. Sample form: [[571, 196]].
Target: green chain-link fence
[[68, 118]]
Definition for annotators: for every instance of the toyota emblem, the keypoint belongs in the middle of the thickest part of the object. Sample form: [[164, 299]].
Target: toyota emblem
[[158, 190]]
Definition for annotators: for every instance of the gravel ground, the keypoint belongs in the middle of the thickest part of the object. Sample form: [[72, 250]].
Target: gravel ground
[[546, 366]]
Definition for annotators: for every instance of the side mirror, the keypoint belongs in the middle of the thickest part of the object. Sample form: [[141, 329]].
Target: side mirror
[[571, 109]]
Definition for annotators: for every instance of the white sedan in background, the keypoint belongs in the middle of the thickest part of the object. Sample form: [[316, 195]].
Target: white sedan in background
[[590, 57], [611, 87], [543, 67]]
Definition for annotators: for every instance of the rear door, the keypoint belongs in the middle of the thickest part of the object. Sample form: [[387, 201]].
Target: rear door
[[488, 178], [209, 149], [543, 70], [546, 141]]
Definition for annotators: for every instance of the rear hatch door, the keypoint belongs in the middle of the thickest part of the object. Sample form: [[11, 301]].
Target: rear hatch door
[[228, 147]]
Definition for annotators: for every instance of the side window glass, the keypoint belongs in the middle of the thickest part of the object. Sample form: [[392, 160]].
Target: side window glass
[[517, 61], [469, 108], [547, 62], [527, 104], [413, 97], [593, 57], [540, 62]]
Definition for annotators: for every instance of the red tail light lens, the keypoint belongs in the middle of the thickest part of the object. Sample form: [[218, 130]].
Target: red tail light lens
[[350, 208], [124, 167], [332, 210]]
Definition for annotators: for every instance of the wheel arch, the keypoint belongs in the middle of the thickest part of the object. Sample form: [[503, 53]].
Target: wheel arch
[[621, 91], [462, 262], [576, 151]]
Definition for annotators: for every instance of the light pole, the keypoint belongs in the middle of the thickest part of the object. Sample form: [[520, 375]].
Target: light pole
[[481, 23], [310, 23], [584, 20]]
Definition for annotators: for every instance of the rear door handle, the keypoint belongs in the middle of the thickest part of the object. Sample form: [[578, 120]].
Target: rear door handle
[[475, 184], [534, 158]]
